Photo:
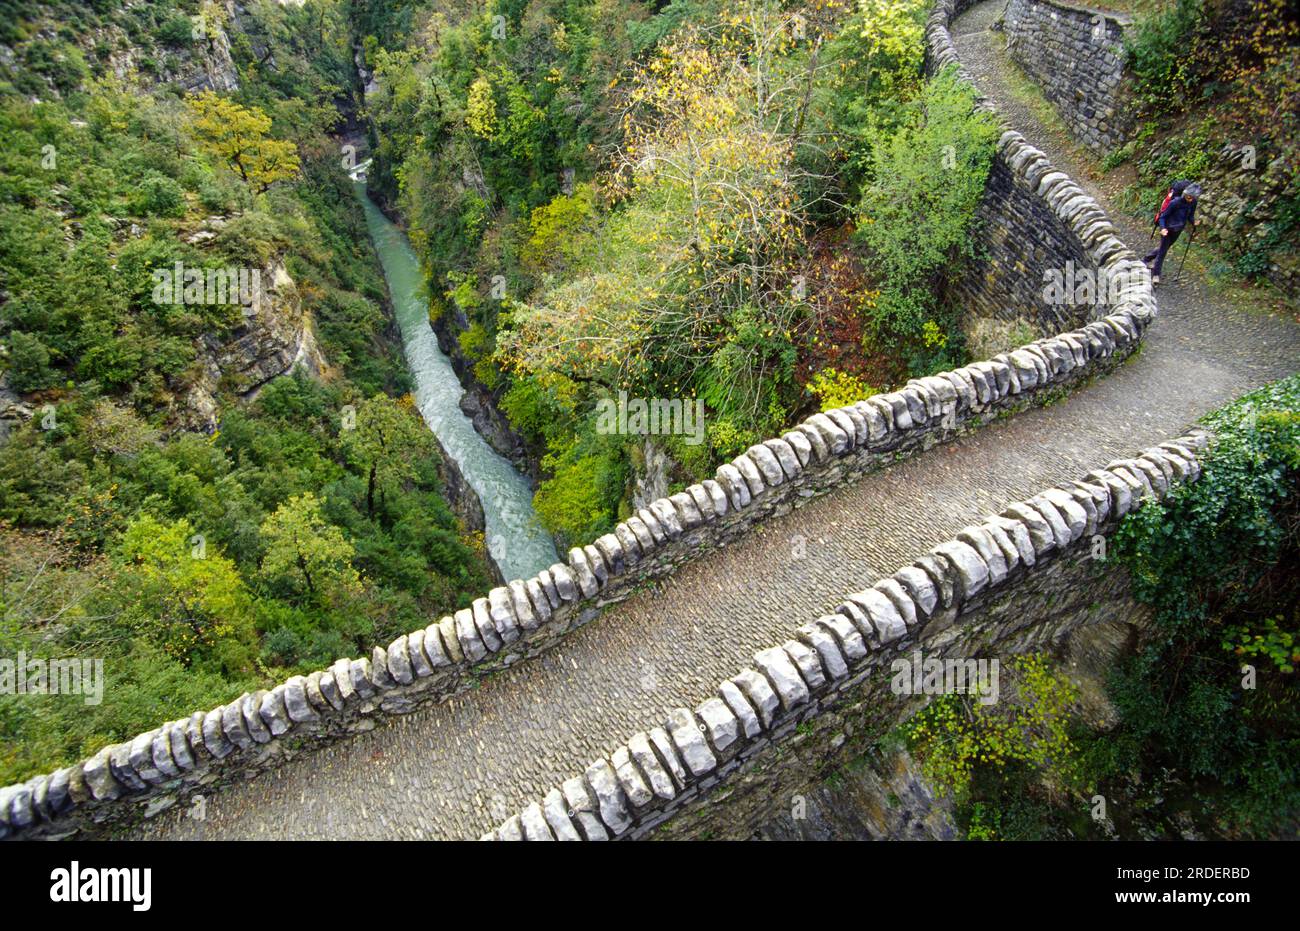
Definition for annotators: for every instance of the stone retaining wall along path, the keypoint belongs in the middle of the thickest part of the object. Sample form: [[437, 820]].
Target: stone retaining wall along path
[[951, 604], [1076, 55], [474, 747]]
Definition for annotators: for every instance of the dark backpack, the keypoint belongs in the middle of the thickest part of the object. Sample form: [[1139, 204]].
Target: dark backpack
[[1175, 191]]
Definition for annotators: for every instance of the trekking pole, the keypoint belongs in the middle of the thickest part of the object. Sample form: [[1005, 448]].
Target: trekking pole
[[1187, 248]]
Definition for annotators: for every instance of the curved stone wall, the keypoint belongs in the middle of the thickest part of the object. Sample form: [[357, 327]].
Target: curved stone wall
[[1036, 227], [257, 731], [1020, 579], [1076, 55]]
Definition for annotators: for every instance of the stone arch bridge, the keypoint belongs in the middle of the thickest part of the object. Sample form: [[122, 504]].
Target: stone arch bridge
[[952, 513]]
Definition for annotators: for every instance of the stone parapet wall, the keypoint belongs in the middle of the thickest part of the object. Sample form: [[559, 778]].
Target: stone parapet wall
[[1035, 223], [1076, 55], [1021, 580], [1023, 242], [257, 731]]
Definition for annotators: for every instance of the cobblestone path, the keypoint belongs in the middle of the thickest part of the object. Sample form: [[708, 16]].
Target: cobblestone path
[[457, 769]]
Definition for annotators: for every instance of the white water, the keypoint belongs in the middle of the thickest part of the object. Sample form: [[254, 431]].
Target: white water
[[515, 538]]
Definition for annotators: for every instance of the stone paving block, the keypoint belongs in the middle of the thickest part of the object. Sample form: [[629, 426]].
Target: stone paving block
[[377, 674], [749, 472], [831, 658], [741, 708], [920, 588], [767, 464], [721, 726], [760, 693], [546, 580], [539, 602], [806, 661], [610, 801], [688, 737], [556, 811], [296, 703], [688, 514], [850, 641], [273, 712], [780, 671], [214, 737], [983, 544], [798, 442], [718, 495], [588, 584], [668, 755], [885, 619], [523, 606], [786, 457], [251, 710], [534, 825], [584, 810], [970, 573], [398, 659], [481, 614], [1040, 531], [630, 779], [656, 775], [892, 589]]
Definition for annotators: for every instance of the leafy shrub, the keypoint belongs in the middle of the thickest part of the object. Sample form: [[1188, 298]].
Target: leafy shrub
[[915, 216], [177, 32], [159, 196], [581, 501], [957, 734], [60, 62], [1202, 559], [29, 362], [1158, 52], [834, 388]]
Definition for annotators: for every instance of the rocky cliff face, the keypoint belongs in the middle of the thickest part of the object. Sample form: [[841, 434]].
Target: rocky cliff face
[[883, 798], [275, 337], [883, 795], [651, 469], [202, 63]]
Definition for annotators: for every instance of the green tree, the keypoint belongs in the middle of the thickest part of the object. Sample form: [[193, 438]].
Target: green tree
[[307, 553], [29, 362], [181, 594], [238, 135], [916, 214], [387, 443]]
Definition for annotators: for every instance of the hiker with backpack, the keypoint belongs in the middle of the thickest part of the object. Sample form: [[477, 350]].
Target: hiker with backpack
[[1176, 213]]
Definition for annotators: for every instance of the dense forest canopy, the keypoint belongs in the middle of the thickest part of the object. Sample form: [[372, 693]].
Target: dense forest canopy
[[625, 200], [311, 549]]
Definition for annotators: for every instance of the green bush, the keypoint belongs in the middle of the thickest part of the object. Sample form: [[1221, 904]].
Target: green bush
[[29, 363], [1158, 54], [159, 196], [916, 214], [581, 501], [177, 32], [1211, 561]]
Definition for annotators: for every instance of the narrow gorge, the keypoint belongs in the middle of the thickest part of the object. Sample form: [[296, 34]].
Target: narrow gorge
[[518, 544]]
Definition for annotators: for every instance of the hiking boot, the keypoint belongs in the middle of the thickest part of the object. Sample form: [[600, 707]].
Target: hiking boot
[[1155, 279]]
